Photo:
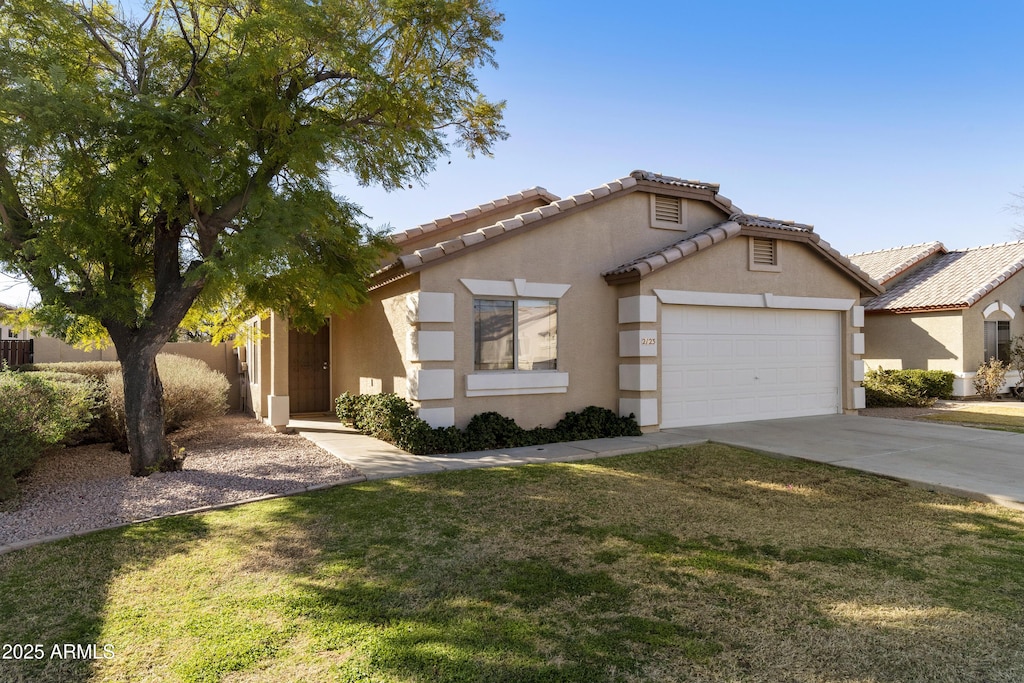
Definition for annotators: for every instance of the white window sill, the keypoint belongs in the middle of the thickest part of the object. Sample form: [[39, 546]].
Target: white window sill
[[516, 383]]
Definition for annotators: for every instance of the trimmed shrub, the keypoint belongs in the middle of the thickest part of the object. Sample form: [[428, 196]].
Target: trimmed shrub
[[192, 393], [493, 430], [393, 419], [38, 410], [594, 420], [894, 388]]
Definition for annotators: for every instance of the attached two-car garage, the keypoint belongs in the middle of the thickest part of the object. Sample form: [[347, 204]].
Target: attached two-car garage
[[733, 364]]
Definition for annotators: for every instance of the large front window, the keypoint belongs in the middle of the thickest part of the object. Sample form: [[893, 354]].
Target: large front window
[[997, 340], [516, 334]]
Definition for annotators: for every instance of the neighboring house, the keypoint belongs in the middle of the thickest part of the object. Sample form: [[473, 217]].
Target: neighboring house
[[648, 295], [6, 332], [944, 310]]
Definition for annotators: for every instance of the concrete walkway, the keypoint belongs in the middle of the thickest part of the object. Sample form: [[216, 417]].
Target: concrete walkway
[[977, 463], [379, 460]]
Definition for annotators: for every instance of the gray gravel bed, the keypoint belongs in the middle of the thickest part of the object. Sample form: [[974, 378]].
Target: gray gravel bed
[[231, 459]]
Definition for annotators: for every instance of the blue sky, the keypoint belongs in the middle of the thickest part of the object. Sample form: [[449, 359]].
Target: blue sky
[[881, 123]]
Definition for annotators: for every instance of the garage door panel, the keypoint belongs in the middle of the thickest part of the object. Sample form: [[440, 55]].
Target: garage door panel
[[735, 364]]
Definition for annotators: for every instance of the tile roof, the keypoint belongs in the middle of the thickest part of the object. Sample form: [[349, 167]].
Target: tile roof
[[428, 254], [691, 244], [656, 260], [670, 180], [954, 280], [468, 214], [885, 264]]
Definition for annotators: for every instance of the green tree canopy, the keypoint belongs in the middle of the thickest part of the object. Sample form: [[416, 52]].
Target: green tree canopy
[[172, 163]]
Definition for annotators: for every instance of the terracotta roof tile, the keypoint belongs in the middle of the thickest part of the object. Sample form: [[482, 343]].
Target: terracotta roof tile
[[689, 245], [685, 247], [755, 221], [885, 264], [669, 180], [406, 235], [953, 280]]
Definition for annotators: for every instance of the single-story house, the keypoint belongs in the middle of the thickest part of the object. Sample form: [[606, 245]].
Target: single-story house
[[944, 310], [649, 295]]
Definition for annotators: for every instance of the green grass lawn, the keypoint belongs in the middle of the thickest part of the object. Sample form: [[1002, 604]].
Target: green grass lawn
[[703, 563]]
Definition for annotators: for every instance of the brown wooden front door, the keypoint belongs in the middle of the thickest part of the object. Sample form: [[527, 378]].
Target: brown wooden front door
[[309, 371]]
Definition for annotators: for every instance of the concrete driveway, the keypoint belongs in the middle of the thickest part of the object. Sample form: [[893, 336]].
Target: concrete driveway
[[979, 463]]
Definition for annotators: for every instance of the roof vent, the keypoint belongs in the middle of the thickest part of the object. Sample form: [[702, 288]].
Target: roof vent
[[668, 212]]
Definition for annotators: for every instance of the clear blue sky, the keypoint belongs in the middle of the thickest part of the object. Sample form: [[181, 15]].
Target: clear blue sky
[[881, 123]]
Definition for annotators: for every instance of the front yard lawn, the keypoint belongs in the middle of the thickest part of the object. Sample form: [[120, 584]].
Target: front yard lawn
[[1009, 417], [701, 563]]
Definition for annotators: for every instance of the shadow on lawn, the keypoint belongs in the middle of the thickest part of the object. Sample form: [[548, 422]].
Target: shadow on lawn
[[55, 594]]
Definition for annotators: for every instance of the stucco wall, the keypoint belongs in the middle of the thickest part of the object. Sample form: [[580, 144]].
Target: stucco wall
[[575, 250], [922, 341], [368, 346], [1011, 295]]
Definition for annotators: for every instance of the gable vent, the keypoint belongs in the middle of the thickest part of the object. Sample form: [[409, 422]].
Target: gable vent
[[763, 251], [667, 210]]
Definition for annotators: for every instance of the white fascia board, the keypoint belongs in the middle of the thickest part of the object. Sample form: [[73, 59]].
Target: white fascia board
[[516, 383]]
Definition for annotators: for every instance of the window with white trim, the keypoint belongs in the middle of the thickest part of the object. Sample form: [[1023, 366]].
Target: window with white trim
[[515, 334], [997, 340]]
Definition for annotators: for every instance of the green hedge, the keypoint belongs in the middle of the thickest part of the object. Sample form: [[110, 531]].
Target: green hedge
[[39, 410], [889, 388], [393, 419]]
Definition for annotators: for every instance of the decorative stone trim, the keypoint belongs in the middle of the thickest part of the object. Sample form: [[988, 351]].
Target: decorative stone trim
[[857, 343], [857, 375], [515, 288], [634, 377], [645, 410], [438, 417], [422, 346], [857, 317], [431, 307], [766, 300], [999, 306], [516, 383], [638, 309], [638, 344], [431, 384], [859, 398]]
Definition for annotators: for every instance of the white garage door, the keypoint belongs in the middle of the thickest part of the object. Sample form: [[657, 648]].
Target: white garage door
[[739, 364]]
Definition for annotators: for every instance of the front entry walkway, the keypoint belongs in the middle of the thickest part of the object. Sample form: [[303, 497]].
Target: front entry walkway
[[379, 460]]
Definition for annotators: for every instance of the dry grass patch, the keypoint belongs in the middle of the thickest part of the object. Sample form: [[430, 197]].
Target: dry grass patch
[[1009, 417], [703, 563]]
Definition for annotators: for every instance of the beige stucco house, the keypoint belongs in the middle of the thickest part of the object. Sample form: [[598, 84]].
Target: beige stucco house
[[944, 310], [648, 295]]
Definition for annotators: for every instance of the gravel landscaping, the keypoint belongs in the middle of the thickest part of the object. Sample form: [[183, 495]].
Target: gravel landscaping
[[230, 459]]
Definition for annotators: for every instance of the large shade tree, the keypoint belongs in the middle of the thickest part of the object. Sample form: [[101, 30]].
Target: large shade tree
[[162, 161]]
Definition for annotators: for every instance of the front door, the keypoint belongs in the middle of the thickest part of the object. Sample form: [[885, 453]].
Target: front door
[[309, 371]]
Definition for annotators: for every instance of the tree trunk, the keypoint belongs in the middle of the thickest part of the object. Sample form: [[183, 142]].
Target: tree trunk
[[144, 412]]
